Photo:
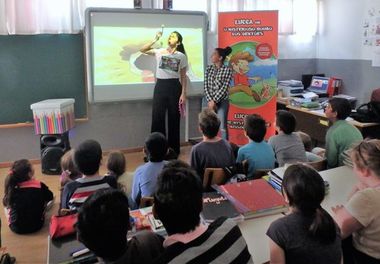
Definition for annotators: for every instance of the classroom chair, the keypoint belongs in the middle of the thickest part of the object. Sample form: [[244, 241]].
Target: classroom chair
[[146, 201], [213, 176], [260, 173], [318, 165]]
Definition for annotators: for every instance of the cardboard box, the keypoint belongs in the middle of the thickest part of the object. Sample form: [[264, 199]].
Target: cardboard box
[[53, 116]]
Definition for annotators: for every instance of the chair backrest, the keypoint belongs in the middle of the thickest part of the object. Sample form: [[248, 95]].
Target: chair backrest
[[260, 173], [318, 165], [146, 201], [213, 176]]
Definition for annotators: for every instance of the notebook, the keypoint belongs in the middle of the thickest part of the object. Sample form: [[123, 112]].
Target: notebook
[[216, 205], [319, 85]]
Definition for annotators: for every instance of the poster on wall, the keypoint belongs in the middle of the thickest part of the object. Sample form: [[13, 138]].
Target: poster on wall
[[253, 37], [371, 31]]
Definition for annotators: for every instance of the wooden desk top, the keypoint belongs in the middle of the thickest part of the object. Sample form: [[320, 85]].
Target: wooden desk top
[[320, 113]]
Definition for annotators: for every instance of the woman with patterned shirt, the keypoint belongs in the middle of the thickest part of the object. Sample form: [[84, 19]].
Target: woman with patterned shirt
[[217, 80]]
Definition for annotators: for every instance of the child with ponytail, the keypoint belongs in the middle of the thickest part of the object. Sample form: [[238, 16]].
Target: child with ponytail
[[359, 218], [25, 198], [308, 234]]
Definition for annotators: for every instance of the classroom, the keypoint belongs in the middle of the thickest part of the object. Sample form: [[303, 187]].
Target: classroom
[[43, 56]]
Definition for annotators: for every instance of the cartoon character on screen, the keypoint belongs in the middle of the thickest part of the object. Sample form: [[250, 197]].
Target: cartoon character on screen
[[240, 65]]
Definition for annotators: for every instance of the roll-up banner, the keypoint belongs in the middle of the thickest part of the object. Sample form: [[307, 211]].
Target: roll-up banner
[[253, 37]]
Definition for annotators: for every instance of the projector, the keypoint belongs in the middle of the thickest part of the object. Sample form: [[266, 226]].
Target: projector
[[290, 87]]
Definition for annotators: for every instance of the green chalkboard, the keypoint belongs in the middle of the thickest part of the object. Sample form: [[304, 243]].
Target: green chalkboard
[[38, 67]]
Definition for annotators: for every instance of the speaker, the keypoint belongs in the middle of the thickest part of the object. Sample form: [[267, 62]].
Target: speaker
[[52, 149]]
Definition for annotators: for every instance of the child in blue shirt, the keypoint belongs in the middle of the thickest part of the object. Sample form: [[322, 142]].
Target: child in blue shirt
[[259, 154], [145, 178]]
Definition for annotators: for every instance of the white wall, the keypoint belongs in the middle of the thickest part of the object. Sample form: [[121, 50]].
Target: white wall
[[341, 29]]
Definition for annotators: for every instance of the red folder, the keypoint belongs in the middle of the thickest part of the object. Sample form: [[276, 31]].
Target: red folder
[[254, 198]]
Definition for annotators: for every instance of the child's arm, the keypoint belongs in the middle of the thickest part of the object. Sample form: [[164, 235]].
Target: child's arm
[[346, 222], [357, 187], [277, 254]]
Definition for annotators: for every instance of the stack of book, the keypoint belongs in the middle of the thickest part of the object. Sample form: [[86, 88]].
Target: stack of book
[[254, 198], [215, 205], [275, 178]]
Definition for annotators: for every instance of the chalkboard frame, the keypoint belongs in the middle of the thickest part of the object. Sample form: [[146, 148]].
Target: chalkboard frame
[[39, 67]]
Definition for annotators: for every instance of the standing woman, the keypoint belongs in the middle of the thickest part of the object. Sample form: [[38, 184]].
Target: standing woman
[[170, 88], [217, 80]]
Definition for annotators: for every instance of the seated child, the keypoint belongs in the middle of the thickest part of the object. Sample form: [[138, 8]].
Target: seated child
[[116, 166], [69, 171], [287, 145], [259, 153], [308, 234], [306, 140], [144, 181], [87, 157], [25, 198], [178, 203], [341, 135], [360, 216], [103, 223], [213, 151]]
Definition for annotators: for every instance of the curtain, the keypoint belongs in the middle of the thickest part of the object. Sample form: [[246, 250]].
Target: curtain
[[67, 16]]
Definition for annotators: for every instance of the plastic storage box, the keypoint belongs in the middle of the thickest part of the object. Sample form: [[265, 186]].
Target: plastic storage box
[[53, 116]]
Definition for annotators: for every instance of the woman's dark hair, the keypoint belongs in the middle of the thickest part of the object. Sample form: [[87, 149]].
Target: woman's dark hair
[[341, 106], [224, 52], [116, 163], [18, 173], [180, 47], [286, 121], [305, 190], [178, 199]]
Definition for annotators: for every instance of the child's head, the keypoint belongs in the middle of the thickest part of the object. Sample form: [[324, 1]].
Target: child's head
[[178, 199], [255, 127], [304, 189], [20, 171], [87, 157], [286, 121], [209, 123], [338, 108], [366, 154], [116, 163], [67, 164], [103, 223], [306, 140], [156, 147]]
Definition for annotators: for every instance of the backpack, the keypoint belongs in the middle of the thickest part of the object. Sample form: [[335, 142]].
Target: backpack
[[369, 112]]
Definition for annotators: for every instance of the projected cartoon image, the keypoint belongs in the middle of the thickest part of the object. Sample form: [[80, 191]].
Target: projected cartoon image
[[254, 79], [117, 59]]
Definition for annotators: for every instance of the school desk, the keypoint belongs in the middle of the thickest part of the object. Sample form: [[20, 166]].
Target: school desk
[[315, 123], [341, 181]]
